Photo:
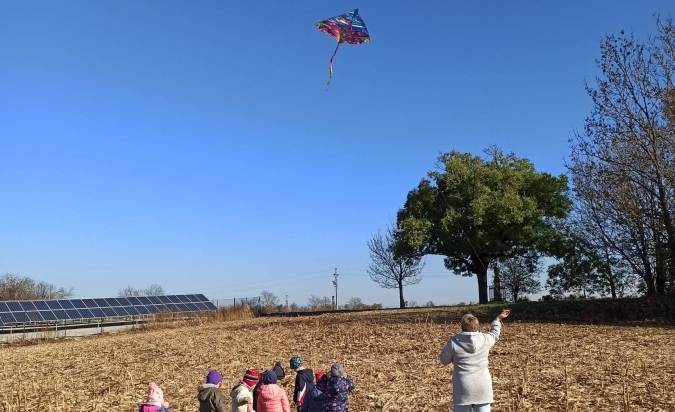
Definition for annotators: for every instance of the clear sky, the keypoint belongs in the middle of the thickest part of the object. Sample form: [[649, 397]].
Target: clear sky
[[193, 144]]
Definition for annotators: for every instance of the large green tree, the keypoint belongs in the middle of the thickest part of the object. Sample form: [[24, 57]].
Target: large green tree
[[476, 210]]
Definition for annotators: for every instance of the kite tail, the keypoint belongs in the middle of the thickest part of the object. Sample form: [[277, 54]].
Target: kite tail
[[330, 66]]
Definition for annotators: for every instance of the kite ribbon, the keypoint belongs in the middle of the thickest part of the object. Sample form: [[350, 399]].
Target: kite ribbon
[[330, 66]]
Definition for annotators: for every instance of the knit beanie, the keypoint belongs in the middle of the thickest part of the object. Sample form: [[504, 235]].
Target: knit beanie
[[337, 369], [251, 377], [269, 377], [318, 375], [214, 377], [296, 362]]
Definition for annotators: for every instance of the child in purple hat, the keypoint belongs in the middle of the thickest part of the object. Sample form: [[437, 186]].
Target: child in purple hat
[[211, 397]]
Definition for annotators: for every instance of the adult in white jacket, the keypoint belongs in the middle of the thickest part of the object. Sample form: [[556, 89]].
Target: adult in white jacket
[[468, 351]]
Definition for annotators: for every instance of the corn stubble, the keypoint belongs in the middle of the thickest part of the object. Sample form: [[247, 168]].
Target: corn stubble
[[392, 357]]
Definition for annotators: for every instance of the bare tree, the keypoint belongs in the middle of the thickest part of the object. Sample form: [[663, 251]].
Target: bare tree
[[268, 301], [520, 275], [389, 271], [154, 290], [14, 287], [623, 164], [355, 303], [129, 291], [317, 303]]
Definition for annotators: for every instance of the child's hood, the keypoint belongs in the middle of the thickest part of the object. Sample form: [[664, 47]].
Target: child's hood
[[470, 341], [206, 391]]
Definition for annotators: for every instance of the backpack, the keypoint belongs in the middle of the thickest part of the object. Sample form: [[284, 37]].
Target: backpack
[[279, 371]]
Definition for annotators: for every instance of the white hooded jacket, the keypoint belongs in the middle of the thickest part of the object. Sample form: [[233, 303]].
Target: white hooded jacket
[[468, 351]]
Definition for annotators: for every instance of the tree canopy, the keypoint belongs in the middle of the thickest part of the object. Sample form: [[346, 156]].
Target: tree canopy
[[475, 210]]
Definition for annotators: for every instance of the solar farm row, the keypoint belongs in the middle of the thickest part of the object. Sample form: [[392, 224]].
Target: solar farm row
[[29, 311]]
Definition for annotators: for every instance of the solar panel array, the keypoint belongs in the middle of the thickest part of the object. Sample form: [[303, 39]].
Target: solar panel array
[[29, 311]]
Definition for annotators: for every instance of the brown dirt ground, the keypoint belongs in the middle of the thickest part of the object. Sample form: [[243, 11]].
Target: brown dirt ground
[[392, 357]]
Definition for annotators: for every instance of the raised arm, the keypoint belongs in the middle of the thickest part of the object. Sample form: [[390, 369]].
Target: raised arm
[[496, 326]]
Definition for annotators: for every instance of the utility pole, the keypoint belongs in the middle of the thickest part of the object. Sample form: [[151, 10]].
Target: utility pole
[[286, 303], [335, 283]]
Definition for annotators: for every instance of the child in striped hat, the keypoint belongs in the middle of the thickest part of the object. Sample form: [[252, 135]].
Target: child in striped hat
[[242, 396]]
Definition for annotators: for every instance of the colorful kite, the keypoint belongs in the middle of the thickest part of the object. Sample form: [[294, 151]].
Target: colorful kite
[[345, 28]]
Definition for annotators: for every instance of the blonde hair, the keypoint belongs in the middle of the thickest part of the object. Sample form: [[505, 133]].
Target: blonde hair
[[469, 323]]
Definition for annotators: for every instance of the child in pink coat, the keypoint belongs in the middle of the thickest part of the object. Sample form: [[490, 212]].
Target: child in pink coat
[[155, 400], [272, 397]]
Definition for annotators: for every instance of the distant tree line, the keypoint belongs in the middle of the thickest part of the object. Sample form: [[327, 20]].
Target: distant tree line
[[14, 287], [269, 303], [152, 290]]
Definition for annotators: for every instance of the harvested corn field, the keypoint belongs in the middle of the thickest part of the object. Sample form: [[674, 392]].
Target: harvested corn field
[[392, 357]]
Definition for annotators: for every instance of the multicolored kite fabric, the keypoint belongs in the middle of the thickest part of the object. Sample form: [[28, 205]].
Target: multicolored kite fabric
[[345, 28]]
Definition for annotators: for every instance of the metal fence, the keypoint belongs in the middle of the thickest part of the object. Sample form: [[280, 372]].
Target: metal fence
[[253, 302]]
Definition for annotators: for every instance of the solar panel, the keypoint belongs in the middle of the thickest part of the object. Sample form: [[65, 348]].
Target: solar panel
[[124, 301], [193, 298], [90, 303], [14, 306], [174, 299], [164, 299], [155, 300], [20, 317], [192, 307], [7, 317], [132, 310], [201, 306], [101, 303], [48, 315], [24, 311], [34, 316], [108, 312], [144, 300], [86, 313], [153, 309], [133, 300], [27, 305], [96, 313], [111, 302], [143, 310], [119, 311], [60, 314], [73, 313]]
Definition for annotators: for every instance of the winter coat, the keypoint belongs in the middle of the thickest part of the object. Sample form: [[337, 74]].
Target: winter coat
[[313, 401], [304, 379], [255, 393], [272, 398], [211, 398], [335, 390], [148, 407], [468, 351], [242, 398]]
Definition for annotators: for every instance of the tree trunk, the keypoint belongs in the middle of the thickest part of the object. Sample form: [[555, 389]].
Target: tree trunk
[[497, 283], [481, 276], [401, 302]]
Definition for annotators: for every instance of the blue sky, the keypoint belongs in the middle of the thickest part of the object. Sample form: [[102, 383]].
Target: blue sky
[[193, 144]]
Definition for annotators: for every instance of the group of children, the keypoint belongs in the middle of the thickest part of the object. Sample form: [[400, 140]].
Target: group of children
[[255, 392]]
